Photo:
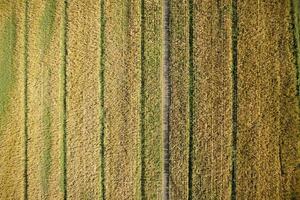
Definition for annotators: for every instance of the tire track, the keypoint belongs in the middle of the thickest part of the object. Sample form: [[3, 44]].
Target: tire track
[[166, 97]]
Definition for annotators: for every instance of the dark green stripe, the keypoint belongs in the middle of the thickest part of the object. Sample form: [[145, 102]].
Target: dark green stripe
[[142, 102], [191, 98], [234, 98], [64, 80], [26, 63], [102, 113]]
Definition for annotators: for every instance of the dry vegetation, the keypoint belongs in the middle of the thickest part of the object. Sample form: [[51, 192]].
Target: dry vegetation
[[82, 100], [268, 118], [212, 120], [132, 99], [82, 94], [121, 98], [179, 108]]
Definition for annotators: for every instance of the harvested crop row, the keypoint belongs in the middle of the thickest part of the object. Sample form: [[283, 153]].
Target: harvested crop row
[[212, 113], [267, 109], [82, 103], [43, 72], [12, 143]]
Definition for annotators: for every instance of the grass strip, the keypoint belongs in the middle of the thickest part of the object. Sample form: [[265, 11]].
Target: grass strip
[[295, 15]]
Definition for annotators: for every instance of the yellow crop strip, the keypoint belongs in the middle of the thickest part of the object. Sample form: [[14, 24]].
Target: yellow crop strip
[[268, 117], [82, 100], [121, 99]]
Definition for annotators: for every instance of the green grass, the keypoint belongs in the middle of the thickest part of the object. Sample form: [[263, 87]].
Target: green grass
[[47, 24], [7, 71], [296, 4]]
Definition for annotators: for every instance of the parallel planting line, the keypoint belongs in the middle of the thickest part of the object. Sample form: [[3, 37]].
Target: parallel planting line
[[191, 98], [102, 114], [26, 100], [64, 99], [234, 97], [142, 103], [166, 97]]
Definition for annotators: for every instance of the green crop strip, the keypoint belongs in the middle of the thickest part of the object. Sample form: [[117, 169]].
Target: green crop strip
[[47, 24]]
